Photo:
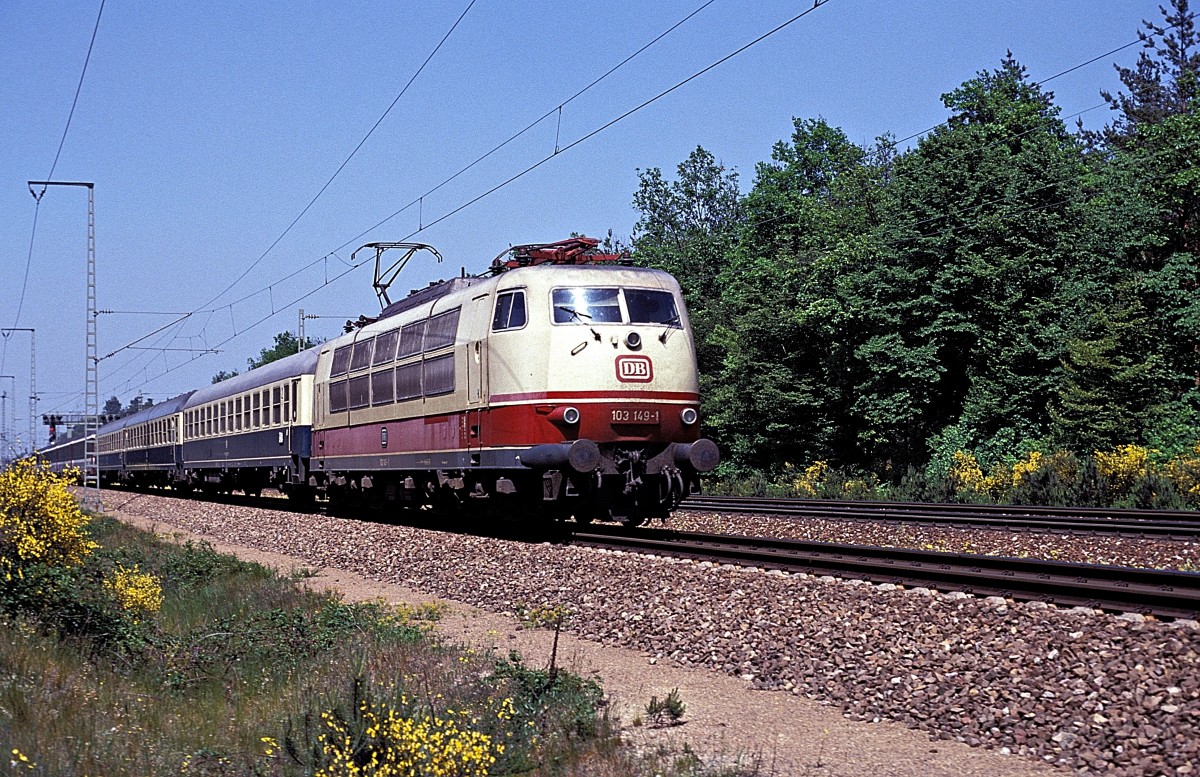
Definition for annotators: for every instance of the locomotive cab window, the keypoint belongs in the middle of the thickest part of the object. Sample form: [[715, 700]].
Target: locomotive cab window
[[510, 311], [651, 306], [587, 306], [614, 306]]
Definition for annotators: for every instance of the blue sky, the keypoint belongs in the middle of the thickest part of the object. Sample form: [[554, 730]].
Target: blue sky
[[208, 127]]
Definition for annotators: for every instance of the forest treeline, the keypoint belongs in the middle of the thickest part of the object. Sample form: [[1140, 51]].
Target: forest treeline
[[1009, 284]]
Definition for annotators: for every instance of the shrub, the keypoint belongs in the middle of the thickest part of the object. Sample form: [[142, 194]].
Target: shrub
[[40, 521], [666, 712]]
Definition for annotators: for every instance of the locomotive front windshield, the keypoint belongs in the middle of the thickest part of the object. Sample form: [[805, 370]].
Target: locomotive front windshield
[[614, 306]]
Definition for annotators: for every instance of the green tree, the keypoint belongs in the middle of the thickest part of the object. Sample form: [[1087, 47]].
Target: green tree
[[688, 227], [285, 344], [986, 233], [1164, 83], [1111, 389], [224, 375], [788, 320], [1152, 179]]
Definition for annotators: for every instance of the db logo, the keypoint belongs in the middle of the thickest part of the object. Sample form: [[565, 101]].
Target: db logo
[[635, 369]]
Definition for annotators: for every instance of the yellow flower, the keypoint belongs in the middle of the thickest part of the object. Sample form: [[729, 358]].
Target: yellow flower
[[136, 590]]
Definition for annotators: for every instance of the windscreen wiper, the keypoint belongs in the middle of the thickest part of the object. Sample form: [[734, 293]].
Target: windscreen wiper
[[579, 317]]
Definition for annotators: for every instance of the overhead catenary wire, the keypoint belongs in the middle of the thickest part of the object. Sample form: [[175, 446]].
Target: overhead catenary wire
[[346, 161], [1140, 39], [338, 276], [420, 199]]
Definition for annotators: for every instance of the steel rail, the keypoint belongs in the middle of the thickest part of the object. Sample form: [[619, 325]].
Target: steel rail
[[1063, 520], [1156, 592]]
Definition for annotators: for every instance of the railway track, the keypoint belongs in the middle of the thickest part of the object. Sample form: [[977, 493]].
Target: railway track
[[1159, 593], [1159, 524]]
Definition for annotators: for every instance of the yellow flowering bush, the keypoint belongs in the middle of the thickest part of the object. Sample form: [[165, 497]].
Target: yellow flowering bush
[[809, 483], [393, 744], [40, 521], [1026, 468], [1184, 472], [1124, 465], [135, 590]]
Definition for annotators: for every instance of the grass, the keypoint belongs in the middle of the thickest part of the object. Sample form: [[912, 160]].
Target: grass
[[242, 672]]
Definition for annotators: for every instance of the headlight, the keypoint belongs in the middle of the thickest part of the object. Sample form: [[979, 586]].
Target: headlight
[[633, 340], [688, 415], [564, 415]]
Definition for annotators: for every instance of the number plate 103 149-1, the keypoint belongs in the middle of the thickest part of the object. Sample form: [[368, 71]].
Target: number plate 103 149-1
[[635, 415]]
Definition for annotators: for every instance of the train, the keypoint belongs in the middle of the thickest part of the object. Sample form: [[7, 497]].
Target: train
[[560, 384]]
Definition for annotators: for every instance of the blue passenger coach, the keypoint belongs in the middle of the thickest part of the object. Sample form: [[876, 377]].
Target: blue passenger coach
[[253, 430]]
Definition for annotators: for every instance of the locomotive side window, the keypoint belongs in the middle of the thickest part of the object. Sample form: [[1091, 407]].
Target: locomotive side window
[[412, 336], [408, 381], [439, 375], [341, 361], [362, 355], [650, 306], [385, 347], [339, 398], [441, 330], [360, 391], [586, 306], [510, 311], [382, 387]]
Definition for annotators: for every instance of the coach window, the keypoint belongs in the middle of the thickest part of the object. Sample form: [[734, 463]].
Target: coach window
[[221, 412], [266, 406], [382, 387], [360, 391], [510, 311], [439, 375], [207, 420], [236, 422], [362, 355], [411, 338], [276, 407], [408, 381], [246, 412], [341, 361], [256, 410], [339, 397], [441, 330], [287, 408], [385, 347]]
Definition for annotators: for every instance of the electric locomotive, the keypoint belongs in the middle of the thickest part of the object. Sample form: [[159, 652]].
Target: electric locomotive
[[562, 384]]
